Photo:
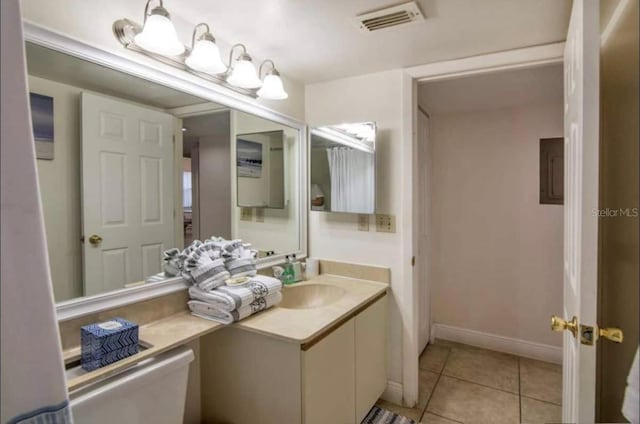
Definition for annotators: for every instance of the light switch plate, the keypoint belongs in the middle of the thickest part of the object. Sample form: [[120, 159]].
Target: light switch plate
[[385, 223], [363, 222], [259, 214], [246, 214]]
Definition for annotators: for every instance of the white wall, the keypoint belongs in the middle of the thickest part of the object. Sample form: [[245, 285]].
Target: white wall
[[91, 22], [374, 97], [214, 172], [497, 253], [60, 189]]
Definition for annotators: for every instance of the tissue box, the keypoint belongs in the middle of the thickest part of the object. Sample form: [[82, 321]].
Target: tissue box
[[107, 342]]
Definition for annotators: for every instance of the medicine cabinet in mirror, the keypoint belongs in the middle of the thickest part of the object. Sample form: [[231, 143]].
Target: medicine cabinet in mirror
[[129, 168], [342, 173], [260, 169]]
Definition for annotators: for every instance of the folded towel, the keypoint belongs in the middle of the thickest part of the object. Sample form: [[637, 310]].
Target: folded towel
[[229, 298], [172, 264], [242, 267], [631, 395], [208, 311]]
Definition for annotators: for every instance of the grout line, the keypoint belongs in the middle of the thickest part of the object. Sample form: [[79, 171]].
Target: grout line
[[442, 416], [435, 385], [540, 400], [519, 390], [480, 384]]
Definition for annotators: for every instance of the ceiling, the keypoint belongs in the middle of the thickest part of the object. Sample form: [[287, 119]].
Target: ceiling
[[494, 90], [50, 64], [312, 41]]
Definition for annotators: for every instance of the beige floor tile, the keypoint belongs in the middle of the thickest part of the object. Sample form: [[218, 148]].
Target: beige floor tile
[[433, 358], [537, 412], [473, 403], [429, 418], [541, 380], [426, 383], [413, 413], [493, 369]]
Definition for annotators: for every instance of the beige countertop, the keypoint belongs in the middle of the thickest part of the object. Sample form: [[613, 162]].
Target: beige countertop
[[300, 326], [303, 325]]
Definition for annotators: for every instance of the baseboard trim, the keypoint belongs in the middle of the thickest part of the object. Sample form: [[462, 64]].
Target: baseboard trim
[[393, 392], [518, 347]]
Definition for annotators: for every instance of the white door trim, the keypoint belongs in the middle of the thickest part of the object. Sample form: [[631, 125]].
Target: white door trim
[[527, 57]]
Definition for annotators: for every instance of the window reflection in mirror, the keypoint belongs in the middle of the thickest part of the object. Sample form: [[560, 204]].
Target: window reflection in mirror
[[343, 168], [129, 168]]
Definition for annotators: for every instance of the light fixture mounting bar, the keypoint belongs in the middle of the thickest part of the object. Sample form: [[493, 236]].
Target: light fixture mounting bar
[[125, 30]]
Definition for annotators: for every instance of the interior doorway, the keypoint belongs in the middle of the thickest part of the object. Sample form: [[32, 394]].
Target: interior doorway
[[492, 252]]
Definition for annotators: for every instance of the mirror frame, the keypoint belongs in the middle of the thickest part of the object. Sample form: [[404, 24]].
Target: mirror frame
[[187, 83]]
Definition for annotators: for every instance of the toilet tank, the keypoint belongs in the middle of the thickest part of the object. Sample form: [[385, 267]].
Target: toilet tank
[[152, 391]]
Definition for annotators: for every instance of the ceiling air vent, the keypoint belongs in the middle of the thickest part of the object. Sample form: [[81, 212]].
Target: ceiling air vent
[[389, 17]]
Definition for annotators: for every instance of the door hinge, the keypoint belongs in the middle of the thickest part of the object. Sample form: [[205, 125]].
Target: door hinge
[[413, 261]]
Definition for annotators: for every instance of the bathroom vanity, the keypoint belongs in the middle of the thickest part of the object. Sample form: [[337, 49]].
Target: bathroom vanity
[[317, 357], [303, 362]]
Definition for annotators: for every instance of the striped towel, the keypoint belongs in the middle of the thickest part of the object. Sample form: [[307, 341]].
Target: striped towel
[[207, 311], [230, 298], [379, 415]]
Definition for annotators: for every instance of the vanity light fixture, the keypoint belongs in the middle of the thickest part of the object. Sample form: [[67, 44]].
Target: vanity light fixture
[[242, 72], [272, 83], [158, 34], [341, 137], [157, 39], [205, 55]]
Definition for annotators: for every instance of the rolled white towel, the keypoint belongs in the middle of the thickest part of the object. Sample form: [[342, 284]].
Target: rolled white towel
[[208, 311], [229, 298]]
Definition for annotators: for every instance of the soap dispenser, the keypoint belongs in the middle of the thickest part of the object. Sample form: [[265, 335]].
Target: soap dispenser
[[288, 275]]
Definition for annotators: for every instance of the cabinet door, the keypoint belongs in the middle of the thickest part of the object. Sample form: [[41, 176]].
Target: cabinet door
[[329, 378], [371, 358]]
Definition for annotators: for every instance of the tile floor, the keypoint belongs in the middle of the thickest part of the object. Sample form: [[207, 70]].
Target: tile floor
[[465, 384]]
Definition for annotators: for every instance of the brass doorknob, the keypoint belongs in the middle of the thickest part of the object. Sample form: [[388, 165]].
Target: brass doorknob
[[559, 324], [95, 240], [613, 334]]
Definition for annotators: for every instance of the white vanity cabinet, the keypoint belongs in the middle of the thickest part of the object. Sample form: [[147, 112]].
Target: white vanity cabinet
[[255, 378], [328, 378]]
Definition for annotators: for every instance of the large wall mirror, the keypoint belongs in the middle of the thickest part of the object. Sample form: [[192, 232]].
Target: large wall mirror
[[343, 174], [129, 168]]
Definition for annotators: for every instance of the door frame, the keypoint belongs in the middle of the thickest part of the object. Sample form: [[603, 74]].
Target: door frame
[[528, 57]]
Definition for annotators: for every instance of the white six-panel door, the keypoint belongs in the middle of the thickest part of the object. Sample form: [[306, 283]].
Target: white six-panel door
[[581, 131], [127, 190]]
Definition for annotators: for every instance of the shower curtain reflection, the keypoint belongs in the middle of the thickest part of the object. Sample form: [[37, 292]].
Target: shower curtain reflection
[[352, 180]]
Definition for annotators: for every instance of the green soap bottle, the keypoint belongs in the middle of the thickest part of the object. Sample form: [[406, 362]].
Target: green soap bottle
[[288, 275]]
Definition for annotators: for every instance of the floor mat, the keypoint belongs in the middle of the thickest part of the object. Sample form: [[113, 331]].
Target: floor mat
[[379, 415]]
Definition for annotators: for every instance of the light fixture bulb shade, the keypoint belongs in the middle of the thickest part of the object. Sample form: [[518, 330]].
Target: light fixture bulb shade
[[244, 75], [272, 88], [159, 36], [205, 57]]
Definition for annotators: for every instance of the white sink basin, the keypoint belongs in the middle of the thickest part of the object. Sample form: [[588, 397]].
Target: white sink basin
[[309, 296]]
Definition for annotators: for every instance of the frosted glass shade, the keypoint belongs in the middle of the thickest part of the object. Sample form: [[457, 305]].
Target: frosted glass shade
[[272, 88], [244, 75], [159, 36], [205, 57]]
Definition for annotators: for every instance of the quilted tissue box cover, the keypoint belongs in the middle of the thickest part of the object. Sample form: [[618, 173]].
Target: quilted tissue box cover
[[107, 342]]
